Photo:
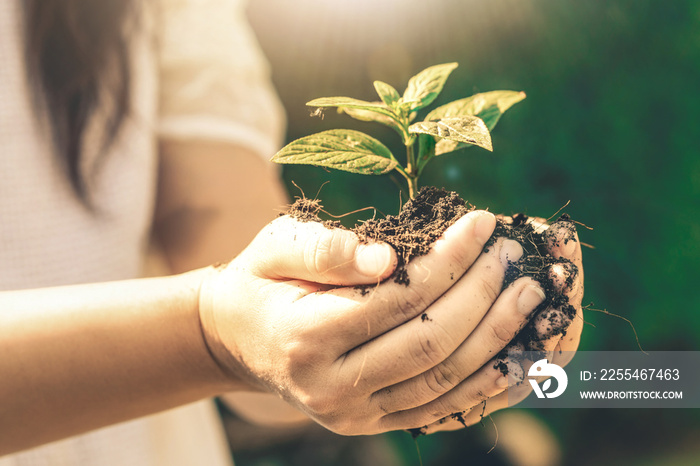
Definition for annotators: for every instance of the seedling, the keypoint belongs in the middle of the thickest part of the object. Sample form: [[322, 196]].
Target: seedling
[[456, 125]]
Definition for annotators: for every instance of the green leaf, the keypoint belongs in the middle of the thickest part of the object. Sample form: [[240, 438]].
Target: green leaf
[[467, 129], [489, 106], [342, 149], [369, 115], [361, 110], [387, 93], [424, 87], [349, 102]]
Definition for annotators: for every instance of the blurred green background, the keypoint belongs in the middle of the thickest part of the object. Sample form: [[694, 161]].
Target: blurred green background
[[611, 123]]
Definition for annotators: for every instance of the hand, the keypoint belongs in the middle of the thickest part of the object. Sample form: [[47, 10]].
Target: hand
[[361, 361], [562, 241]]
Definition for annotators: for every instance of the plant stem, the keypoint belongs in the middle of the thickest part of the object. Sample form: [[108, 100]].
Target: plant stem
[[411, 171], [412, 187], [411, 181]]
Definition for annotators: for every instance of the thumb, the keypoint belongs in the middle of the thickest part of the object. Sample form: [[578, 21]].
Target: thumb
[[288, 248]]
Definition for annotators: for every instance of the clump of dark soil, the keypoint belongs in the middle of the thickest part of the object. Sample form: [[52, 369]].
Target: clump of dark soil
[[554, 315], [413, 231], [424, 219]]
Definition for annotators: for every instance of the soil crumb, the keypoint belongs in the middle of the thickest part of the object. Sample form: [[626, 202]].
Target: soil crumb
[[306, 210]]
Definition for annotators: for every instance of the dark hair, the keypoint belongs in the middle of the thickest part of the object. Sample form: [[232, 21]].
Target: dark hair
[[71, 48]]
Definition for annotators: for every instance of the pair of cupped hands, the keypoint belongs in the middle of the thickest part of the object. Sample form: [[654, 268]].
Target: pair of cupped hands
[[287, 317]]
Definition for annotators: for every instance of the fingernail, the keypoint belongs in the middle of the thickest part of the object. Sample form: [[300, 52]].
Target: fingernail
[[372, 260], [568, 244], [531, 297], [511, 251], [511, 372], [560, 275], [484, 226], [562, 239]]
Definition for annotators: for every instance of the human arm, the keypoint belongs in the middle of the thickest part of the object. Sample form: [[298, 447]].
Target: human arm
[[213, 197], [80, 357]]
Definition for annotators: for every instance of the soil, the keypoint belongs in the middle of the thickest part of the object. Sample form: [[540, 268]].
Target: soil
[[424, 219]]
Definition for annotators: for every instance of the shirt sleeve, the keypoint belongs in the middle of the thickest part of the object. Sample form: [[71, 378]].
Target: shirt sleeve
[[214, 80]]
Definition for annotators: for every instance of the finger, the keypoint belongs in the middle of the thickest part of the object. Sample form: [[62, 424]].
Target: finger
[[562, 241], [558, 314], [494, 331], [289, 248], [461, 400], [517, 363], [475, 407], [568, 343], [569, 317], [516, 392], [478, 413], [486, 383], [509, 398], [445, 424], [560, 238], [361, 315], [431, 336]]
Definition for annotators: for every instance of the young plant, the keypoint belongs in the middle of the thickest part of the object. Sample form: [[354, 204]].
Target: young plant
[[458, 124]]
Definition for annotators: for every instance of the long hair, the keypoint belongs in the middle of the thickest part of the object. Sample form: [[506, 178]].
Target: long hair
[[71, 46]]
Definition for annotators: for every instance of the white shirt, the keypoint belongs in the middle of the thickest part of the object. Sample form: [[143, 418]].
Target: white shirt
[[197, 73]]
